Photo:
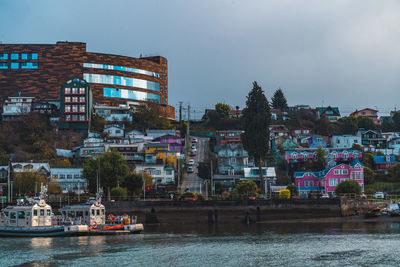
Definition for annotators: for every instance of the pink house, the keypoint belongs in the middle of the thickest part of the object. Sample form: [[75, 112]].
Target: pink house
[[326, 181], [305, 154]]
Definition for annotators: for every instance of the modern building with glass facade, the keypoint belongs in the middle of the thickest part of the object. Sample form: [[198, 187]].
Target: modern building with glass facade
[[40, 70]]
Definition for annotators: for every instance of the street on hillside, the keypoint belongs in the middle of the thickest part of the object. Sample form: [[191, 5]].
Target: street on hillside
[[192, 182]]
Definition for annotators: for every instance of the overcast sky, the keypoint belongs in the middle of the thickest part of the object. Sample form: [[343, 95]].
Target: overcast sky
[[341, 53]]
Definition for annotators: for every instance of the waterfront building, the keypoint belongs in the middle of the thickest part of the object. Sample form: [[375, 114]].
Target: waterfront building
[[269, 175], [69, 179], [160, 173], [327, 180], [43, 168], [305, 154], [40, 70], [384, 162]]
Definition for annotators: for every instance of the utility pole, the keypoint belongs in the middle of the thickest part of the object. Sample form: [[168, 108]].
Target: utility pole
[[9, 182], [212, 182], [188, 132], [180, 113]]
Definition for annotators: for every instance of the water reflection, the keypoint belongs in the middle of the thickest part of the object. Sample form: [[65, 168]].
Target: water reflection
[[41, 242]]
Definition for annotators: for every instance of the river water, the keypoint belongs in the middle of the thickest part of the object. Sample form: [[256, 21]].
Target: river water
[[292, 244]]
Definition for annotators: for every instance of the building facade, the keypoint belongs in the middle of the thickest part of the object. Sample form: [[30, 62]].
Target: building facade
[[40, 70]]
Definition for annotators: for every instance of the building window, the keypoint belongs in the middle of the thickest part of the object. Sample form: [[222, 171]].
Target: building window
[[67, 91], [67, 108], [356, 175], [67, 99], [120, 80], [14, 56], [82, 90], [333, 182], [14, 65], [82, 99], [3, 66], [74, 117], [68, 117], [3, 56], [75, 90], [69, 176], [81, 117], [120, 68], [82, 108], [29, 65], [158, 172], [62, 176], [341, 172], [75, 99], [74, 108], [130, 94]]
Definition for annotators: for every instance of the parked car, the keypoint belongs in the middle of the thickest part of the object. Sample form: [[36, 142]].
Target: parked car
[[325, 195], [194, 140], [190, 170], [193, 154], [191, 162], [380, 195]]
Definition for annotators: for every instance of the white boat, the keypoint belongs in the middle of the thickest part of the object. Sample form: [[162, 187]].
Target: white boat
[[34, 218], [93, 215]]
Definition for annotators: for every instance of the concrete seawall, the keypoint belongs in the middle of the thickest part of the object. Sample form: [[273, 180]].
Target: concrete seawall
[[226, 212]]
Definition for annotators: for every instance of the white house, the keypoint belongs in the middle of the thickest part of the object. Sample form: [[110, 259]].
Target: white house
[[91, 147], [113, 113], [345, 141], [14, 107], [269, 175], [161, 174], [115, 130], [69, 179], [43, 168]]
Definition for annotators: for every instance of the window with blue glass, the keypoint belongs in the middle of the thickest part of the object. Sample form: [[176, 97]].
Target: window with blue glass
[[14, 56], [3, 66], [33, 56], [129, 94], [120, 68], [122, 81], [29, 65], [3, 56], [14, 65]]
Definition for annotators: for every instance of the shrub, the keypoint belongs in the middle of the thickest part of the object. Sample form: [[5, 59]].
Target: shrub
[[119, 193], [284, 194], [348, 187]]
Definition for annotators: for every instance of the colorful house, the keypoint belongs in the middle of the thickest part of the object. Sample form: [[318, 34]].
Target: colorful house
[[304, 154], [175, 142], [327, 180], [331, 113], [384, 162], [367, 113]]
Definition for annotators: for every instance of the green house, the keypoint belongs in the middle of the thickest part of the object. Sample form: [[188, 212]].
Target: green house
[[75, 106]]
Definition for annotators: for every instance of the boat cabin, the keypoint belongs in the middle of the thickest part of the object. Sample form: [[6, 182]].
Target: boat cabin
[[31, 215], [86, 213]]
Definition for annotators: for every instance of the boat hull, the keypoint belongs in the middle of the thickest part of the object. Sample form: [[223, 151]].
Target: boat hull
[[32, 231]]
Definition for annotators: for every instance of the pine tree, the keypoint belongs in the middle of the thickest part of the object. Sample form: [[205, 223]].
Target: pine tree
[[279, 100], [256, 119]]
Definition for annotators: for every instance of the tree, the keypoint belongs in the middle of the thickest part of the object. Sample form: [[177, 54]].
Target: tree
[[394, 173], [28, 182], [348, 125], [256, 119], [279, 100], [147, 116], [357, 147], [223, 109], [348, 187], [319, 164], [396, 120], [368, 160], [134, 183], [365, 123], [204, 171], [293, 189], [247, 188], [119, 193], [113, 169], [369, 177]]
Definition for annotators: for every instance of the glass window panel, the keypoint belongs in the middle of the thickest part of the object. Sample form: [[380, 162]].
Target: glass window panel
[[24, 56], [3, 66], [129, 94], [34, 56], [14, 65], [14, 56], [3, 56], [124, 81], [120, 68], [67, 91]]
